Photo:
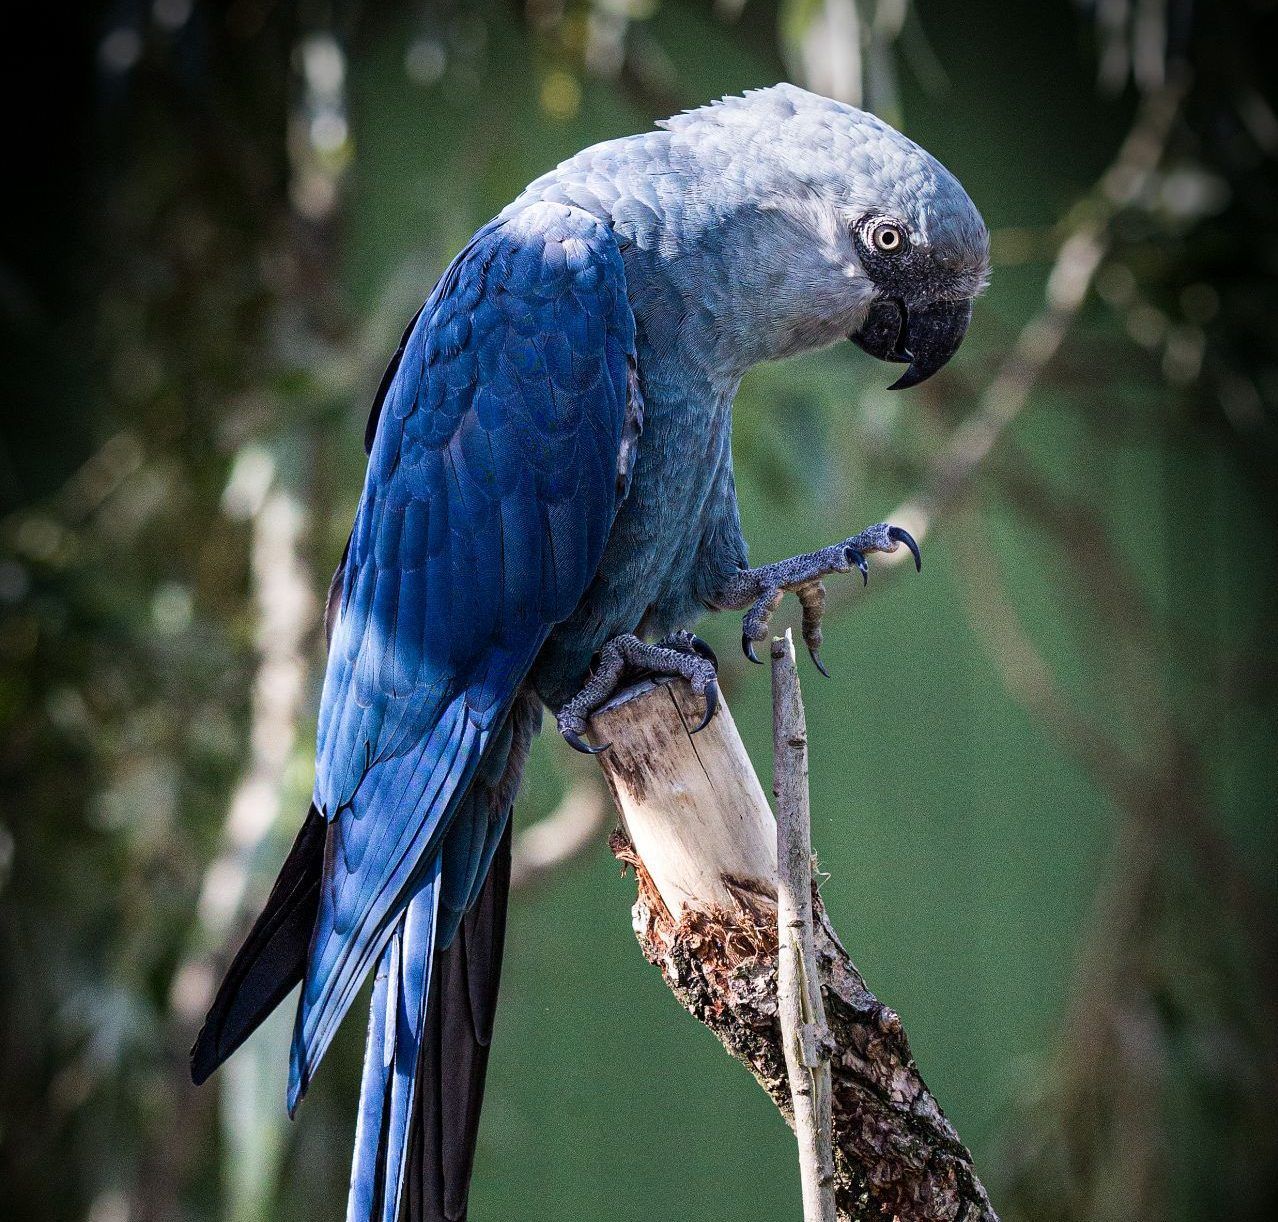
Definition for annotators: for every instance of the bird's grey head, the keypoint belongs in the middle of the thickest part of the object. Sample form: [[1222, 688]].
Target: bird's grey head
[[823, 222]]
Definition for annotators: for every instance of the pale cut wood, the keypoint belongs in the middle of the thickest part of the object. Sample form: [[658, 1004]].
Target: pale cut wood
[[692, 807], [702, 841]]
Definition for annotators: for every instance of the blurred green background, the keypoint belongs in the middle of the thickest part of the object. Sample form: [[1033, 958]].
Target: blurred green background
[[1043, 772]]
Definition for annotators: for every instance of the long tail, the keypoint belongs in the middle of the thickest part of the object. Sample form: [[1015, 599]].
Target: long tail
[[425, 1064], [423, 1078], [396, 1027], [454, 1056], [452, 1048]]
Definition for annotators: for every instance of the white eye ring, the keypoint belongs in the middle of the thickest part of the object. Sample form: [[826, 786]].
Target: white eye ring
[[887, 237]]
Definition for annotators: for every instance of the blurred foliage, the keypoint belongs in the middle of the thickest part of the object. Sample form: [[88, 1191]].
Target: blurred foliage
[[1042, 775]]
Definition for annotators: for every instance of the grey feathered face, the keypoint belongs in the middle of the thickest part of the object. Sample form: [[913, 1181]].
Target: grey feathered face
[[917, 250], [923, 297], [858, 232]]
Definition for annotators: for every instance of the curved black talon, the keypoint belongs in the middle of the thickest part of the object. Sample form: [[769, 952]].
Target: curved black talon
[[702, 650], [816, 661], [712, 703], [855, 557], [901, 535], [747, 647], [577, 743]]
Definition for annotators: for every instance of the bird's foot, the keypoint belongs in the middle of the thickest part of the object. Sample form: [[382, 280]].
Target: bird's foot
[[763, 588], [680, 653]]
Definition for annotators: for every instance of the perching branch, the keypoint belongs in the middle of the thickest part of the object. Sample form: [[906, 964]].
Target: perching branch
[[698, 831], [804, 1034]]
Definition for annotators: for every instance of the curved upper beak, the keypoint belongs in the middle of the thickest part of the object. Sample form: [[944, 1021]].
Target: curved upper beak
[[925, 339]]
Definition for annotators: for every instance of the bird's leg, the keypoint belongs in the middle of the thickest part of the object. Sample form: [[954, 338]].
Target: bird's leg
[[680, 653], [762, 589]]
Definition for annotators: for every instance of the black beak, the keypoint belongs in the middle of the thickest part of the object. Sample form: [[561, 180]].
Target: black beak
[[924, 339]]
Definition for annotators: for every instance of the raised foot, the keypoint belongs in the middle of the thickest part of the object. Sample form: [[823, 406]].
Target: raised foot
[[680, 653], [762, 589]]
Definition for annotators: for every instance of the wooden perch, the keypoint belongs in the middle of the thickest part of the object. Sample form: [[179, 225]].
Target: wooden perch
[[697, 829]]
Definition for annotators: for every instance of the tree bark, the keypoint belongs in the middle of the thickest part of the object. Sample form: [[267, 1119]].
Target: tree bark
[[697, 830]]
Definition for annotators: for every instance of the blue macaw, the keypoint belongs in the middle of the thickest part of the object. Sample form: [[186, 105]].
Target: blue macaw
[[549, 487]]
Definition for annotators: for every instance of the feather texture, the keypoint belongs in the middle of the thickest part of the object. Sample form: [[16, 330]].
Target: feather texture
[[491, 488]]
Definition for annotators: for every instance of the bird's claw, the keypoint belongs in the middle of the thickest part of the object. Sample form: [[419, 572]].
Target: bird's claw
[[692, 660], [762, 589], [858, 560], [712, 704], [901, 535], [577, 743], [703, 650], [683, 641], [689, 642], [572, 728]]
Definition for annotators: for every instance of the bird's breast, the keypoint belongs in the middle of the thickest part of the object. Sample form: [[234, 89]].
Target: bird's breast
[[647, 577]]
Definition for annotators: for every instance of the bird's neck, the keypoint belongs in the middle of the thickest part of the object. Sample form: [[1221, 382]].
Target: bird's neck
[[718, 278]]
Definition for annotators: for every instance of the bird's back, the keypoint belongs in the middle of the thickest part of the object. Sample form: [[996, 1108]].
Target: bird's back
[[680, 511]]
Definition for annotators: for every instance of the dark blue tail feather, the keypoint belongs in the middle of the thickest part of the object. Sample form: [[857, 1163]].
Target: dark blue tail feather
[[395, 1030]]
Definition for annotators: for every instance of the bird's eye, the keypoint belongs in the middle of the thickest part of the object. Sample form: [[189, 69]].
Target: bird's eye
[[887, 237]]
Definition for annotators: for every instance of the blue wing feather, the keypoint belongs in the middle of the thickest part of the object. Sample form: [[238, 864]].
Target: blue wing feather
[[491, 488]]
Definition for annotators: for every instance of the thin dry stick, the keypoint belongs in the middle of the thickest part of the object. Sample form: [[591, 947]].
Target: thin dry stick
[[804, 1035]]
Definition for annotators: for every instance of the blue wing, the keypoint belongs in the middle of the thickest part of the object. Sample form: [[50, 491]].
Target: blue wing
[[492, 485]]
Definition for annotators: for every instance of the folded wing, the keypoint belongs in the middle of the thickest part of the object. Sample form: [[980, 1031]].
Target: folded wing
[[491, 488]]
